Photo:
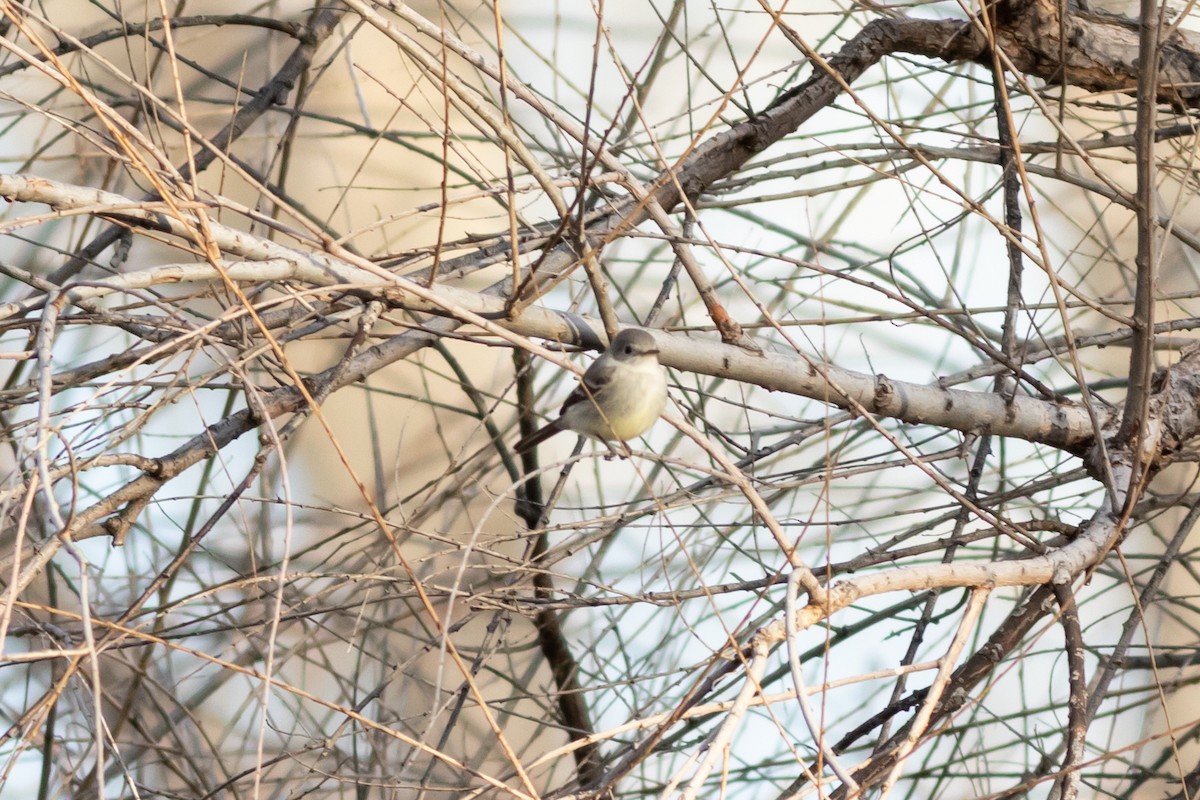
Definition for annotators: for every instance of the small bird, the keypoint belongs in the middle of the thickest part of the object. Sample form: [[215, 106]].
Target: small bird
[[620, 397]]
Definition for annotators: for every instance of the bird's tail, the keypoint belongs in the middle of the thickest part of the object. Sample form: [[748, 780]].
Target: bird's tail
[[526, 443]]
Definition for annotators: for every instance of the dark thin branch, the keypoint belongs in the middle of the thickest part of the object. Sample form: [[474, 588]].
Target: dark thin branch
[[1067, 783], [1141, 359]]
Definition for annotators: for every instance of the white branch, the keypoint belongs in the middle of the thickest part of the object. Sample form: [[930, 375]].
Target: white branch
[[1057, 424]]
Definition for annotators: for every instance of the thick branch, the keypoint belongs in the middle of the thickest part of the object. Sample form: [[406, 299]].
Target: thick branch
[[1060, 425]]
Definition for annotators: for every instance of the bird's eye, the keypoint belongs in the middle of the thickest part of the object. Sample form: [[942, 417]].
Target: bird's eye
[[628, 349]]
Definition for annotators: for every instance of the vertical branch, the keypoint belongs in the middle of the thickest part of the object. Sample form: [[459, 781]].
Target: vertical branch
[[1067, 783], [1141, 361], [532, 507], [1011, 179], [565, 668]]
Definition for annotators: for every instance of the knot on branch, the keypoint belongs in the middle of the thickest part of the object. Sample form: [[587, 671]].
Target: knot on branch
[[1093, 50], [884, 391], [1175, 406], [1171, 422]]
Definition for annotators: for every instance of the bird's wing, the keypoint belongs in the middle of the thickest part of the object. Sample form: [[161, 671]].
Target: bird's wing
[[595, 379]]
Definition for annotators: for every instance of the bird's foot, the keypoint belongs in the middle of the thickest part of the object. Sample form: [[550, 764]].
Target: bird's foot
[[618, 450]]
